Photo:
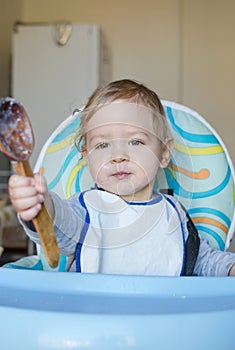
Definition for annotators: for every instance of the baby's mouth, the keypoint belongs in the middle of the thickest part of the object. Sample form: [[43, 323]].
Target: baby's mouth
[[121, 175]]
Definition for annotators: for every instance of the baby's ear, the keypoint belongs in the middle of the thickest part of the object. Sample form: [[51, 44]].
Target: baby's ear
[[84, 151], [167, 148]]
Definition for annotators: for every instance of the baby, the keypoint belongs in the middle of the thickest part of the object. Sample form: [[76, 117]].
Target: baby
[[122, 226]]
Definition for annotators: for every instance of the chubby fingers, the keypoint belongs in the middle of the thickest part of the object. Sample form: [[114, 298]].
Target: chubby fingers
[[24, 196]]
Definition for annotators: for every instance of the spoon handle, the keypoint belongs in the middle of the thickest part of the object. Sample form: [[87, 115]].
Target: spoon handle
[[42, 222]]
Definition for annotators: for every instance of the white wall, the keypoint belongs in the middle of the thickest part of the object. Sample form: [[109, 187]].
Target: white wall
[[209, 63]]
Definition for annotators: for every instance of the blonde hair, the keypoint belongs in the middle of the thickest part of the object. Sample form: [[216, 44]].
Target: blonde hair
[[126, 90]]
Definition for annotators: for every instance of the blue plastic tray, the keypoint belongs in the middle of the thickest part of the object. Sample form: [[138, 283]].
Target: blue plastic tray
[[46, 310]]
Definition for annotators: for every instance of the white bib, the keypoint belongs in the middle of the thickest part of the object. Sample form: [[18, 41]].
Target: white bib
[[141, 238]]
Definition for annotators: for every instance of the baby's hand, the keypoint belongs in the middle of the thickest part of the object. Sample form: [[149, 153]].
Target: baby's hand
[[27, 194]]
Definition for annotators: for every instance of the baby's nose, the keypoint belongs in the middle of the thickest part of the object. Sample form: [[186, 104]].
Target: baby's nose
[[119, 152], [118, 159]]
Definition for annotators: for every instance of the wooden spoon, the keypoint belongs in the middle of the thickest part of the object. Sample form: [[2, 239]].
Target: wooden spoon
[[17, 143]]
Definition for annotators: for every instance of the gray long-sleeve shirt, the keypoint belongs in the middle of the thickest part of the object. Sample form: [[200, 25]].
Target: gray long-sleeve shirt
[[69, 221]]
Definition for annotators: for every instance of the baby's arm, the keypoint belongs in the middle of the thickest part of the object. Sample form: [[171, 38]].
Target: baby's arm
[[27, 195], [213, 262]]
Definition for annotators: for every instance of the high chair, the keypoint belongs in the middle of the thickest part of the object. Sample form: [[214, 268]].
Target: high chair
[[200, 174], [79, 311]]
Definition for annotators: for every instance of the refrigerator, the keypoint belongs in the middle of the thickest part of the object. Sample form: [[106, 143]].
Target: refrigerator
[[55, 68]]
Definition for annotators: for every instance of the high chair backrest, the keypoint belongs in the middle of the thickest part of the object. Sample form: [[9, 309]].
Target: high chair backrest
[[201, 173]]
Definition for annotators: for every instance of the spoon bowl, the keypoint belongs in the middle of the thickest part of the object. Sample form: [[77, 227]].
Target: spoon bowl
[[16, 134], [17, 143]]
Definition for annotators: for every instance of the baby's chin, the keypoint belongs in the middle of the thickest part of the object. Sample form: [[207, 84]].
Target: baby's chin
[[122, 188], [136, 196]]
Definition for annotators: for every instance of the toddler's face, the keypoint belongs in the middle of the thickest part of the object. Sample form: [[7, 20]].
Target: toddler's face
[[123, 151]]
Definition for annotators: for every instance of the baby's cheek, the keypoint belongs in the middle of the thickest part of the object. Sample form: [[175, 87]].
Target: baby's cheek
[[96, 167], [150, 167], [147, 160]]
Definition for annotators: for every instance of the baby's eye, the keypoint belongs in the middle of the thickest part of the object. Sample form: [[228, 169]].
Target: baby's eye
[[102, 145], [136, 142]]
